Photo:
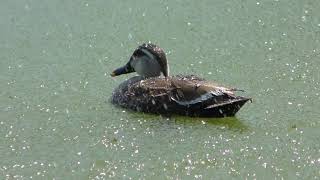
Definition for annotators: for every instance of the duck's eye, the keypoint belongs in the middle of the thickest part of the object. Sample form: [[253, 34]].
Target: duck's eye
[[138, 53]]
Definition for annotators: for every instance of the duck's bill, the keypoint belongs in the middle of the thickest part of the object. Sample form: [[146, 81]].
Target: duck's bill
[[122, 70]]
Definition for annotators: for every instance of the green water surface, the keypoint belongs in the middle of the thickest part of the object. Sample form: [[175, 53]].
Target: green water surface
[[56, 121]]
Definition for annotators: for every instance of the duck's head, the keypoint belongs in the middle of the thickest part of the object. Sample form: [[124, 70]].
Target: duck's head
[[148, 60]]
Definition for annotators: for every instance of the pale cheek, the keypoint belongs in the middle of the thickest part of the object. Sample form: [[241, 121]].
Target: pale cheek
[[138, 67]]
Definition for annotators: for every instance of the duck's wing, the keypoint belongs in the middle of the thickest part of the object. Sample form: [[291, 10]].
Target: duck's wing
[[184, 90], [188, 92], [204, 98]]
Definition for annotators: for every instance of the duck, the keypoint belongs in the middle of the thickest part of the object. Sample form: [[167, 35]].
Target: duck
[[155, 91]]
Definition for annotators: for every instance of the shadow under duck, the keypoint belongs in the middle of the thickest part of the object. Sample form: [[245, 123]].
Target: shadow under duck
[[154, 91]]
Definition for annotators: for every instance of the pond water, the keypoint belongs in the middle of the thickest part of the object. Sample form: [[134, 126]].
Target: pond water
[[56, 121]]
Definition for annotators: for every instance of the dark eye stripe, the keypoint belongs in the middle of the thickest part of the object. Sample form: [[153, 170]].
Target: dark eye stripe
[[138, 53]]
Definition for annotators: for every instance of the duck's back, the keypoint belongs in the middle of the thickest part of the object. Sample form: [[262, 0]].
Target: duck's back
[[184, 95]]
